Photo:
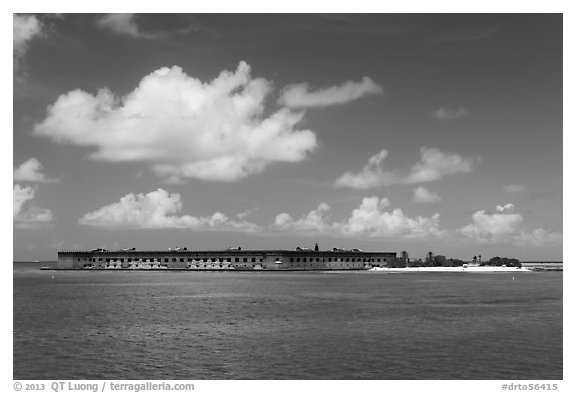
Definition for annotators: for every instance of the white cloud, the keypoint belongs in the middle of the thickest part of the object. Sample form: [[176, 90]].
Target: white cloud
[[375, 219], [538, 238], [32, 216], [486, 227], [31, 171], [185, 128], [300, 96], [423, 195], [245, 214], [314, 221], [157, 210], [21, 195], [371, 219], [513, 188], [506, 208], [26, 27], [283, 221], [372, 175], [503, 226], [126, 24], [433, 165], [120, 24], [450, 113]]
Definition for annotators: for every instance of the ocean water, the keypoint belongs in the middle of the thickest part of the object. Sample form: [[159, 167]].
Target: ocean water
[[301, 325]]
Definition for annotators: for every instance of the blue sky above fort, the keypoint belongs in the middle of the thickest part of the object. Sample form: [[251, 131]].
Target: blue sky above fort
[[392, 132]]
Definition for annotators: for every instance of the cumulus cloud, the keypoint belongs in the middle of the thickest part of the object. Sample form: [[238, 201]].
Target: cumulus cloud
[[372, 175], [423, 195], [314, 221], [26, 28], [300, 95], [433, 165], [513, 188], [450, 113], [373, 219], [506, 208], [503, 226], [31, 216], [539, 237], [120, 24], [31, 171], [493, 226], [21, 195], [183, 127], [157, 210]]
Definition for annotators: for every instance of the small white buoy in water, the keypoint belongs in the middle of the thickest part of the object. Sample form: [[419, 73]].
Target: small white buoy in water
[[52, 277], [513, 278]]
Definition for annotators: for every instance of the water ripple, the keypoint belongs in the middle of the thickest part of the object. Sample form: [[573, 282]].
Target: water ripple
[[82, 325]]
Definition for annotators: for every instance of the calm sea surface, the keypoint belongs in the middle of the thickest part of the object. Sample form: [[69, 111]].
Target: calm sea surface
[[301, 325]]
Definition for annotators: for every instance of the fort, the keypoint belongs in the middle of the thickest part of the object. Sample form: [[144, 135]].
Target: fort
[[228, 259]]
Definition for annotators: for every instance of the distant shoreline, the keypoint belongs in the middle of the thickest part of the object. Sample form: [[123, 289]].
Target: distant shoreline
[[526, 267], [447, 269]]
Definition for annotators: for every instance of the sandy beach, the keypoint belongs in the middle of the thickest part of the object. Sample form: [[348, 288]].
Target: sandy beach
[[469, 269]]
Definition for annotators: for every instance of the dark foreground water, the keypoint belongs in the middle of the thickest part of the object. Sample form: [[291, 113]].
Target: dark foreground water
[[242, 325]]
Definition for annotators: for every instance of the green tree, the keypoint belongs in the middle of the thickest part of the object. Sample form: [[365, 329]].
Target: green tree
[[396, 262], [499, 261], [440, 260], [455, 262]]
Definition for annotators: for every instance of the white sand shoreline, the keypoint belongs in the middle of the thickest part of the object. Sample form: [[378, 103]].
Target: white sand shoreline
[[461, 269]]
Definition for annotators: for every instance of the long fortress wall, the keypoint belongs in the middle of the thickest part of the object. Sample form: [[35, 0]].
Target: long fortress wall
[[224, 260]]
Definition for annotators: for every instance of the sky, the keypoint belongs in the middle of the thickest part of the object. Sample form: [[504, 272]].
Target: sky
[[384, 132]]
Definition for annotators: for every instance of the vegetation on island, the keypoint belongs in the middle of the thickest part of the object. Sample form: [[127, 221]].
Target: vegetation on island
[[499, 261], [432, 260]]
